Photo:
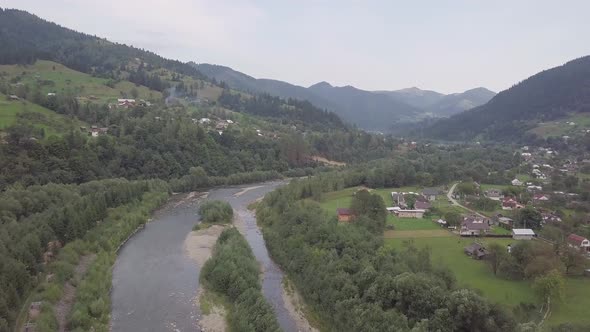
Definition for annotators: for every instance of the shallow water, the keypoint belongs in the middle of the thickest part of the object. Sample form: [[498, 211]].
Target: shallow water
[[155, 282]]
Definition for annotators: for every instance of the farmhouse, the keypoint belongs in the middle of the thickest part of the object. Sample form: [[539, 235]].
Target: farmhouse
[[577, 241], [475, 251], [523, 234], [417, 213], [95, 131], [344, 214], [494, 194], [422, 205], [473, 226], [430, 193]]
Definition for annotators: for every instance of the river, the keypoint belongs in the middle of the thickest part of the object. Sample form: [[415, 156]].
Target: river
[[154, 280]]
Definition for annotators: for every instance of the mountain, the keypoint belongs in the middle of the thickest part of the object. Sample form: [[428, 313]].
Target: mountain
[[366, 109], [371, 110], [548, 95], [441, 105]]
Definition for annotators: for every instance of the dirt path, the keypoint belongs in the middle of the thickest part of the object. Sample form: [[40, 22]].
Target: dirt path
[[199, 246], [64, 306]]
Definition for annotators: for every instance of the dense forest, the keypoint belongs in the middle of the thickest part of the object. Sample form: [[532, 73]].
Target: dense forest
[[546, 96]]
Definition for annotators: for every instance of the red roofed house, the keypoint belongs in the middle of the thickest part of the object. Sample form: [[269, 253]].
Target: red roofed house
[[510, 203], [474, 226], [577, 241], [344, 214]]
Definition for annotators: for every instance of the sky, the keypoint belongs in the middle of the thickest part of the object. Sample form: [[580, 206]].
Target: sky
[[447, 46]]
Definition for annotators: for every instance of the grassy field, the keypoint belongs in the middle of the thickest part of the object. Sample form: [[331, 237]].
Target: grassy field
[[54, 77], [448, 251], [337, 199], [51, 122], [561, 127], [405, 224]]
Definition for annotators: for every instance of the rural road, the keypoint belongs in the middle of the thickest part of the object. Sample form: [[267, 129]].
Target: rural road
[[454, 201]]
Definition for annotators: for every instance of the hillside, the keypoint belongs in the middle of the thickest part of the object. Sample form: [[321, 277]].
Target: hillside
[[441, 105], [366, 109], [549, 95]]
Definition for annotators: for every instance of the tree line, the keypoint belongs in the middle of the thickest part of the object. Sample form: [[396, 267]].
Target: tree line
[[233, 272]]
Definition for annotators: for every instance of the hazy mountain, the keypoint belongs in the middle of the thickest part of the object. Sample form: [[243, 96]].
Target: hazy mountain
[[548, 95], [439, 104], [366, 109]]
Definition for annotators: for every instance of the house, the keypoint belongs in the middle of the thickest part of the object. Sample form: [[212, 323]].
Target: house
[[398, 199], [475, 251], [474, 226], [540, 198], [509, 203], [125, 103], [505, 222], [204, 120], [580, 242], [550, 217], [533, 188], [522, 234], [494, 194], [51, 94], [95, 131], [430, 193], [221, 125], [344, 214], [526, 155], [416, 213], [13, 97], [516, 182], [422, 205]]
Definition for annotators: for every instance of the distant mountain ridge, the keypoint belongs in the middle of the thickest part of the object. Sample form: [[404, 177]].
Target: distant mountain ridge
[[548, 95], [371, 110], [439, 104]]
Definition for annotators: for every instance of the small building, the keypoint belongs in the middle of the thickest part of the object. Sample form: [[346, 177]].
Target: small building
[[430, 193], [580, 242], [344, 214], [494, 194], [516, 182], [475, 251], [474, 226], [13, 97], [416, 213], [522, 234], [505, 222], [420, 205], [510, 203], [125, 103]]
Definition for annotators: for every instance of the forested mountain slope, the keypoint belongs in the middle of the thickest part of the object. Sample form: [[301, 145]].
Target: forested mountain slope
[[548, 95]]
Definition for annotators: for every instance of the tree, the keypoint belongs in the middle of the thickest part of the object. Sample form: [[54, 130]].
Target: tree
[[496, 255], [453, 218], [134, 93], [550, 285], [572, 258], [528, 217]]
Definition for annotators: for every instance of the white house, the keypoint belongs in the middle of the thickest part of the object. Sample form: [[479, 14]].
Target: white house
[[522, 234], [516, 182]]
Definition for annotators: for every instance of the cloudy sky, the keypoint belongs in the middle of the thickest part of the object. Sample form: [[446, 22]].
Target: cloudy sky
[[448, 46]]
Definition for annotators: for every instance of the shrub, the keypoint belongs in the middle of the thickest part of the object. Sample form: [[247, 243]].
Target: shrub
[[216, 212]]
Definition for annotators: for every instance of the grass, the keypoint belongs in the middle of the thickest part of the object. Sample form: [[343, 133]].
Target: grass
[[560, 127], [405, 224], [51, 122], [448, 251], [337, 199], [54, 77], [411, 234]]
